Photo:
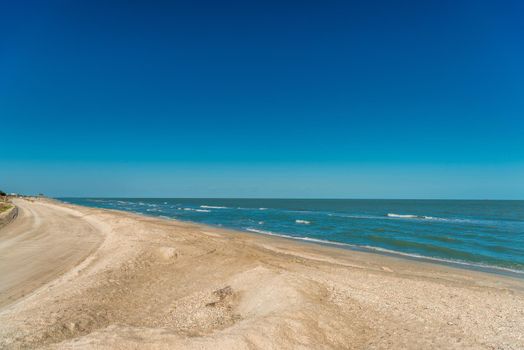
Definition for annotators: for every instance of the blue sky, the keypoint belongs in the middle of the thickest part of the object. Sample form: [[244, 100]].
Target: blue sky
[[373, 99]]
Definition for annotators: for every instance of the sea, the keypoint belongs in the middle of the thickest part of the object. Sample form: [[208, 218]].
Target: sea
[[477, 234]]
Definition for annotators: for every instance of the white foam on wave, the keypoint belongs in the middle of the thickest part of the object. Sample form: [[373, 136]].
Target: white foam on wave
[[264, 232], [197, 210], [309, 239], [302, 222], [448, 261], [433, 218], [412, 216], [397, 216], [212, 207], [404, 216], [244, 208], [356, 216], [445, 219]]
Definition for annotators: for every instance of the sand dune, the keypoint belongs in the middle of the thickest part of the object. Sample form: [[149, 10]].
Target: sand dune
[[75, 277]]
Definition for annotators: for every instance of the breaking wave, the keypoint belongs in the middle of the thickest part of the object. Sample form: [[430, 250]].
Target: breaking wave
[[197, 210], [392, 252], [404, 216]]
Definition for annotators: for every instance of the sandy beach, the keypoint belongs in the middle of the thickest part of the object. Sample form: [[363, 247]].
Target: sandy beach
[[78, 277]]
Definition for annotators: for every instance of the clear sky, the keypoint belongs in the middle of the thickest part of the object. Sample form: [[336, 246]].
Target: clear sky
[[353, 99]]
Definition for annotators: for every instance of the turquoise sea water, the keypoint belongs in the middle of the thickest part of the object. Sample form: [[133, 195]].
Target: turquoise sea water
[[470, 233]]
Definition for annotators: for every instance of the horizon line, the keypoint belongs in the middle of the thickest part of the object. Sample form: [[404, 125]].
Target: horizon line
[[295, 198]]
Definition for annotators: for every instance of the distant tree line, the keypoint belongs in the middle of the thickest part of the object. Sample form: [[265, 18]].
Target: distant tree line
[[2, 193]]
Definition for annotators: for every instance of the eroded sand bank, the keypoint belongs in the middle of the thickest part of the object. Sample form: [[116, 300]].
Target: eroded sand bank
[[125, 281]]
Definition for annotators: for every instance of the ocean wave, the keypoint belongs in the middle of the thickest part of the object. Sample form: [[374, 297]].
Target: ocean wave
[[442, 260], [264, 232], [303, 222], [390, 216], [404, 216], [308, 239], [433, 218], [457, 220], [392, 252], [424, 217], [213, 207], [95, 200], [356, 216], [244, 208], [197, 210]]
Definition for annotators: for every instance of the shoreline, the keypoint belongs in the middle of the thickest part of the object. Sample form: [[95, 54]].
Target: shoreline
[[458, 264], [156, 283]]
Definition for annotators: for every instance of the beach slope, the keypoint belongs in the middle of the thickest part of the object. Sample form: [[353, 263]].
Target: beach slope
[[76, 277]]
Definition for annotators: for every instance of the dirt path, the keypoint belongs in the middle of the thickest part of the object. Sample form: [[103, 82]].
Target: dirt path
[[42, 243]]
